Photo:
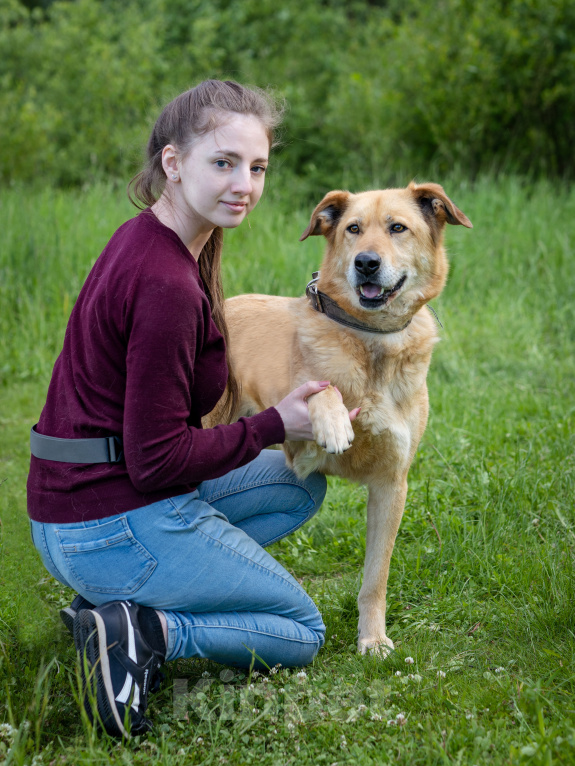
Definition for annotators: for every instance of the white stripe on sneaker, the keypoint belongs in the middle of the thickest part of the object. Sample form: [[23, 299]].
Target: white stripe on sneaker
[[126, 690], [136, 700], [131, 635], [124, 694]]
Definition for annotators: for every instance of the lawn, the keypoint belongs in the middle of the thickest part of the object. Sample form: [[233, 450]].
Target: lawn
[[481, 593]]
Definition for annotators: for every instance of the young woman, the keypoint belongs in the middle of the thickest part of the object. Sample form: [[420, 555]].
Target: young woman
[[158, 524]]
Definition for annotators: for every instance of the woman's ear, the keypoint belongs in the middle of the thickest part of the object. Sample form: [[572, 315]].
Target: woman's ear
[[170, 162]]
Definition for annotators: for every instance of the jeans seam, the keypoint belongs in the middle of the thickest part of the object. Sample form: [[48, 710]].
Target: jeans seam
[[299, 590], [253, 485], [248, 630], [46, 549]]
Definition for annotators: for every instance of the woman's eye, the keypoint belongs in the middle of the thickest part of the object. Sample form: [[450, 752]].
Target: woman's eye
[[259, 170], [397, 227], [222, 163], [353, 228]]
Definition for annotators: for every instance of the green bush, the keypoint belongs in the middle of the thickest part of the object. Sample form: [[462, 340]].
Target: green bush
[[375, 89]]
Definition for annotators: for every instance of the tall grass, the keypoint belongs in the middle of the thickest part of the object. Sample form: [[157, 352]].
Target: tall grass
[[481, 583]]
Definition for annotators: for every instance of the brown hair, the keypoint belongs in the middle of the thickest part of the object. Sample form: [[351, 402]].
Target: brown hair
[[192, 114]]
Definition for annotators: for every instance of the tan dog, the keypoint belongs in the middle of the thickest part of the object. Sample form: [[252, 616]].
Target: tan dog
[[383, 262]]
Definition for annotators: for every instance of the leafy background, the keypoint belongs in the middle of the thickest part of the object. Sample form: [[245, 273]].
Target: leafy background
[[377, 88]]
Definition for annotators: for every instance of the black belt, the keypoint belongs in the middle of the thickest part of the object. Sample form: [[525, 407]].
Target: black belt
[[103, 450]]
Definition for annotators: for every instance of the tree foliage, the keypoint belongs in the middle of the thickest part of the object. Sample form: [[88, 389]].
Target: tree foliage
[[373, 86]]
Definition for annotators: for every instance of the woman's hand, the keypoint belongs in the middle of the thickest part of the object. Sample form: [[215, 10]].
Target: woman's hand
[[295, 414]]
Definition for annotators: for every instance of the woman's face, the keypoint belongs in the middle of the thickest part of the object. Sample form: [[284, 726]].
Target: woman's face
[[221, 178]]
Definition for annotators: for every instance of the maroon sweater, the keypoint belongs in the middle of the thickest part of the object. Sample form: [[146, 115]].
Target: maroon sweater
[[142, 358]]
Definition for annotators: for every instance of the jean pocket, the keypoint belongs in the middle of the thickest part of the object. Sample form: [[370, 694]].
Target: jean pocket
[[106, 558]]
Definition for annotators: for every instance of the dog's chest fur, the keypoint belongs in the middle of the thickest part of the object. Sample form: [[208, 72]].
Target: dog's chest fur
[[384, 375]]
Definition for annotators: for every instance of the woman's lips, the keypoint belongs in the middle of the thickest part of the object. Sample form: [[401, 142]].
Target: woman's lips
[[236, 207]]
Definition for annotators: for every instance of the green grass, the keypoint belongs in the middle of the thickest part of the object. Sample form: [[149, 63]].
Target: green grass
[[481, 583]]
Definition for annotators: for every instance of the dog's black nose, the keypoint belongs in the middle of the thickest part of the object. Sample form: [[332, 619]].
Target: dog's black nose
[[367, 263]]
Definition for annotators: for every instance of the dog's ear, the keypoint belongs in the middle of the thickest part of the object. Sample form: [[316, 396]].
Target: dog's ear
[[325, 217], [436, 205]]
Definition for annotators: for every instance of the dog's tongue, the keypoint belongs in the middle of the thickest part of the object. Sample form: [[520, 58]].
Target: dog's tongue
[[371, 291]]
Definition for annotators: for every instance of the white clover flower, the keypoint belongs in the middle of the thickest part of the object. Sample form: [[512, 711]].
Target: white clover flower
[[199, 740], [441, 674], [343, 744], [434, 627], [409, 660], [205, 674], [469, 716], [401, 719], [251, 687], [392, 722], [375, 717], [273, 670], [255, 710], [282, 690], [361, 708], [290, 726], [411, 676], [499, 670], [256, 673], [398, 673], [302, 675], [535, 522], [417, 677]]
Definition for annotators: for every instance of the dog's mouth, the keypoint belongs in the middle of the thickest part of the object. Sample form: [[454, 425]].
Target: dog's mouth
[[373, 296]]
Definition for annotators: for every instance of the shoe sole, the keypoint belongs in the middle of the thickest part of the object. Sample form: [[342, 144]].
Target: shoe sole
[[90, 637], [67, 616]]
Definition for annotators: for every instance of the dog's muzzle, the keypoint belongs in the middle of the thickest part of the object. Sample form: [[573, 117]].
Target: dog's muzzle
[[369, 281]]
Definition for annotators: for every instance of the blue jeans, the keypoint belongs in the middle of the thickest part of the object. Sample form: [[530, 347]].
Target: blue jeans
[[199, 559]]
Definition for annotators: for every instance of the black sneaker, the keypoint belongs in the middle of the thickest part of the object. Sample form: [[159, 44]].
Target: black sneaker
[[68, 613], [117, 666]]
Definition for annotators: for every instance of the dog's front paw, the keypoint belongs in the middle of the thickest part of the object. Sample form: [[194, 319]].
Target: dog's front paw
[[330, 421], [381, 646], [334, 434]]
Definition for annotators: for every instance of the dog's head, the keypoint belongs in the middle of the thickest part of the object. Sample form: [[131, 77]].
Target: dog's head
[[385, 248]]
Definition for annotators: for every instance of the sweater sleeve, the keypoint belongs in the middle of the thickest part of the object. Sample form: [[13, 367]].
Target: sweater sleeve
[[165, 332]]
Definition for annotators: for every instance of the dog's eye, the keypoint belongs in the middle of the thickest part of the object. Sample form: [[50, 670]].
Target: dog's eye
[[398, 227], [353, 228]]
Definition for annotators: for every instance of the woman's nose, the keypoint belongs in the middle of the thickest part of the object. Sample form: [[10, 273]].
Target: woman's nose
[[242, 183]]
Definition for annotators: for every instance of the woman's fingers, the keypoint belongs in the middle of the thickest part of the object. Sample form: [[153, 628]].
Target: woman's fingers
[[294, 412], [311, 387]]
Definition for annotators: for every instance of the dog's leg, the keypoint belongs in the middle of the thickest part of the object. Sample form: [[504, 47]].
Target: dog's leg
[[384, 511], [330, 421]]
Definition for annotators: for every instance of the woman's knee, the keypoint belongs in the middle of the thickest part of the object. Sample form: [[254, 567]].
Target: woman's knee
[[316, 485]]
